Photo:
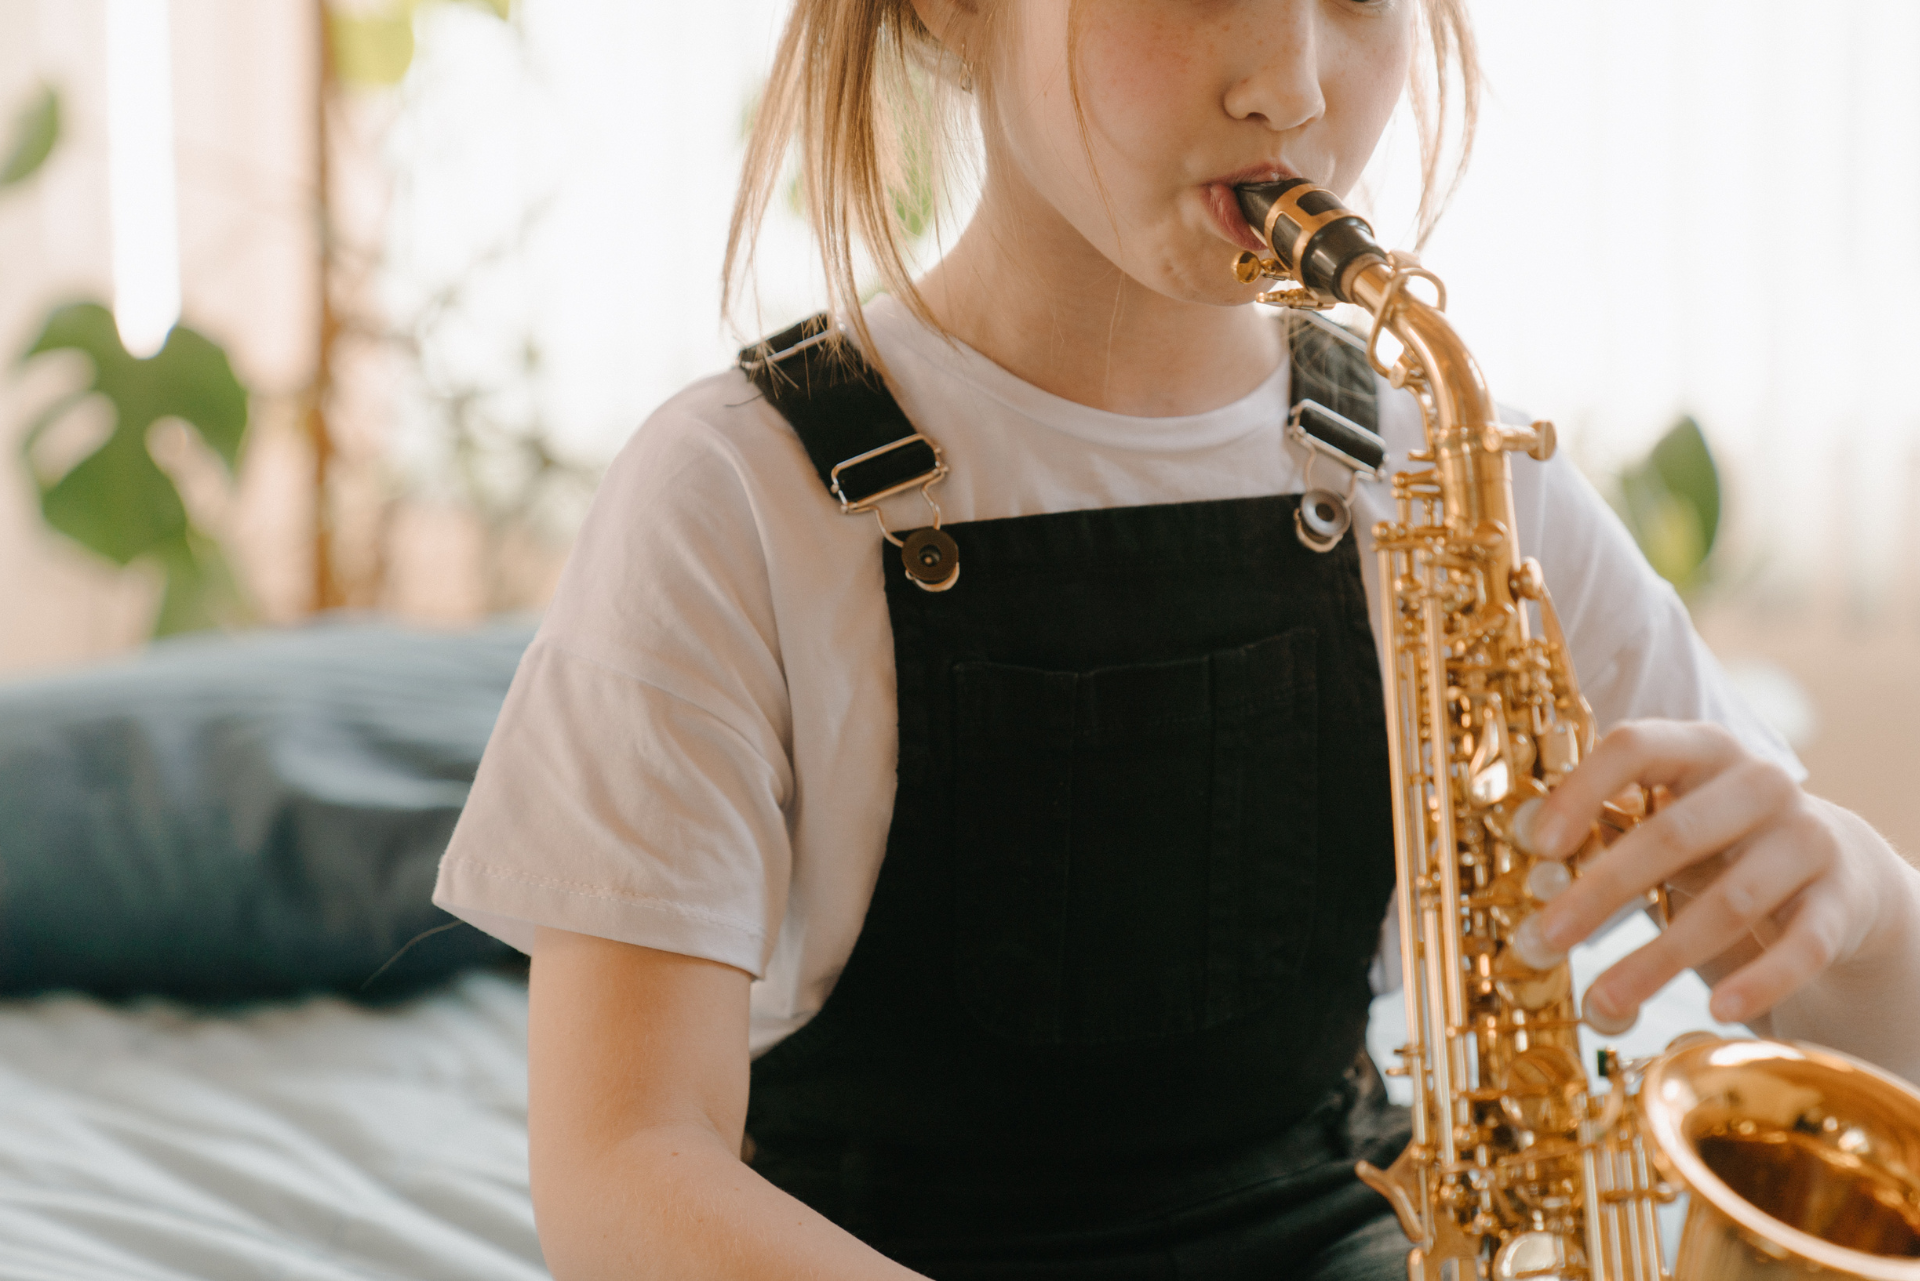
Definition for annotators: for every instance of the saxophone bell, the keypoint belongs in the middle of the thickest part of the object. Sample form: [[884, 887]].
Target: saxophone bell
[[1801, 1161]]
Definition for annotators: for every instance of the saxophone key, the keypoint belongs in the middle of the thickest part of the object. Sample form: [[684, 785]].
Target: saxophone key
[[1538, 1256]]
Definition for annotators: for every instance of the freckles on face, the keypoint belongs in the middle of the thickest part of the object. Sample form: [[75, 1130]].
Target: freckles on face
[[1176, 93], [1113, 168], [1363, 81], [1128, 67], [1137, 65]]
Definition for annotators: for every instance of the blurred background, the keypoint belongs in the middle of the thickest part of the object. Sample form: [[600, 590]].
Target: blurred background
[[343, 304]]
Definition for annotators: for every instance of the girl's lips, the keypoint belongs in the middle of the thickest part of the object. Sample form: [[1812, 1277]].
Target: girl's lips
[[1232, 224]]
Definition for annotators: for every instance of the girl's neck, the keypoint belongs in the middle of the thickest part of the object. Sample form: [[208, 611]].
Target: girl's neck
[[1026, 290]]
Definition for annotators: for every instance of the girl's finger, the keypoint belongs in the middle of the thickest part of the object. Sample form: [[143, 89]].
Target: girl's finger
[[1809, 944], [1704, 823], [1739, 901], [1676, 754]]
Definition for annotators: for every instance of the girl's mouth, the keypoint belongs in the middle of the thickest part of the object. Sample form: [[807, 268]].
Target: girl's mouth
[[1231, 223]]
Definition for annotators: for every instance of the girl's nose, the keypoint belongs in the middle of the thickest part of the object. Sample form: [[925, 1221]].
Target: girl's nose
[[1280, 81]]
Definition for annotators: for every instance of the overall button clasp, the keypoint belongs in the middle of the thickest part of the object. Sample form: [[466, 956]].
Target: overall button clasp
[[930, 556], [1325, 515]]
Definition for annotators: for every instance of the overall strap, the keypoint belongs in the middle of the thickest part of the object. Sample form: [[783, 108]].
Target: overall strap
[[1330, 366], [865, 449], [1334, 393], [852, 428]]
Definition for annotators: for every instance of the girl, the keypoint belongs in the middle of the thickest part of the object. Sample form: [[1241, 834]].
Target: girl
[[1005, 908]]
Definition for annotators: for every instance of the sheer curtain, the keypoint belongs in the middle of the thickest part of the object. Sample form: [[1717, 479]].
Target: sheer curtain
[[1709, 207], [1704, 206]]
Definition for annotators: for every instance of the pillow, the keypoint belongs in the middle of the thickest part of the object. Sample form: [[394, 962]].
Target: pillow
[[227, 818]]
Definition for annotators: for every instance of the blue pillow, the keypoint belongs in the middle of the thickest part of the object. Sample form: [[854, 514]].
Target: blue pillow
[[227, 818]]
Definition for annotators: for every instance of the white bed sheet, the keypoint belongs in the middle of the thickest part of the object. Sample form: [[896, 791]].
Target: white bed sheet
[[322, 1141], [314, 1141]]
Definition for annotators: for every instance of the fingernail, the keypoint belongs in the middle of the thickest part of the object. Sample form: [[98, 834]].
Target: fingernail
[[1600, 1014], [1531, 946], [1547, 878], [1523, 820], [1726, 1008], [1537, 833], [1556, 931]]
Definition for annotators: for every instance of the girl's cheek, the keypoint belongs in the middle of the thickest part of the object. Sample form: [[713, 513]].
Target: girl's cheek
[[1370, 80], [1137, 86], [1130, 84]]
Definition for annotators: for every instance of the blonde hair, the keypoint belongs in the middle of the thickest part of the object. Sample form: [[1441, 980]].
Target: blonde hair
[[872, 95]]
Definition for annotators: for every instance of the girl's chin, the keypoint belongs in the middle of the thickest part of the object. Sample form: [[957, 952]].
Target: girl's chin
[[1210, 282], [1186, 265], [1211, 277]]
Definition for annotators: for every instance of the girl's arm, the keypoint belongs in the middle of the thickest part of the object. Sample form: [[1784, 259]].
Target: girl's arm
[[637, 1100], [1800, 915]]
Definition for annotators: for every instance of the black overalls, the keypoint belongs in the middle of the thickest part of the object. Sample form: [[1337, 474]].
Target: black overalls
[[1105, 1016]]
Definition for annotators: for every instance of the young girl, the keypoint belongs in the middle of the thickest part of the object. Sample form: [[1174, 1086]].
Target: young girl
[[1005, 908]]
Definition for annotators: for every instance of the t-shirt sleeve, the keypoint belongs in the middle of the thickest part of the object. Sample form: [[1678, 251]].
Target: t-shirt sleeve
[[1635, 651], [637, 782]]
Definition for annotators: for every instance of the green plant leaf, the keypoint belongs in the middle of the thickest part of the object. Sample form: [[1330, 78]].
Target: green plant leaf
[[1685, 466], [914, 196], [200, 591], [116, 501], [1670, 536], [372, 50], [1670, 501], [35, 131], [39, 425], [750, 111]]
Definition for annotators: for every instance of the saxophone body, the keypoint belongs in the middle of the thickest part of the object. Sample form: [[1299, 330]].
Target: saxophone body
[[1797, 1160]]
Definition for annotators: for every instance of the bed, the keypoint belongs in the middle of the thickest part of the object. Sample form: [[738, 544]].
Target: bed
[[308, 1140], [212, 1066], [236, 1038]]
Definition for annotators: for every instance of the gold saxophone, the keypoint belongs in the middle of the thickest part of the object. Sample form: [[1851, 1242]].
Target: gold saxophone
[[1798, 1160]]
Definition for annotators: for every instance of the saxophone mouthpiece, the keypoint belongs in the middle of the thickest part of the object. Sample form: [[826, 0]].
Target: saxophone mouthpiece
[[1258, 198], [1314, 235]]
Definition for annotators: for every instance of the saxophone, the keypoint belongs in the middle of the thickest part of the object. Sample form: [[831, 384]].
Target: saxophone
[[1796, 1160]]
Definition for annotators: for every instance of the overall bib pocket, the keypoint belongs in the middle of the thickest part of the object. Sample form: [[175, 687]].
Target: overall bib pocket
[[1135, 846]]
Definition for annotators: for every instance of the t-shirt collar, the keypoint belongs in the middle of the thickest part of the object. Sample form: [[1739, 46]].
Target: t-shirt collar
[[900, 336]]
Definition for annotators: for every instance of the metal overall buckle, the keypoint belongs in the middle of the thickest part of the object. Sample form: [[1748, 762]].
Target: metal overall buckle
[[929, 554], [1324, 515]]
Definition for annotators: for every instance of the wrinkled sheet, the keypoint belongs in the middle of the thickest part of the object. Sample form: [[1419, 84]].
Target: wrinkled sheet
[[319, 1140], [308, 1141]]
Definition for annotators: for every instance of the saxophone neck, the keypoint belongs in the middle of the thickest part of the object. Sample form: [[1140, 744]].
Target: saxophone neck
[[1331, 252], [1462, 415]]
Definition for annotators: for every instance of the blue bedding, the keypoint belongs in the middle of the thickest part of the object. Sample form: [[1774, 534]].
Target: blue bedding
[[228, 818]]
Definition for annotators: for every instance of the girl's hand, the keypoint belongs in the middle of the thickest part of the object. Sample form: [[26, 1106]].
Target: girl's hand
[[1770, 886]]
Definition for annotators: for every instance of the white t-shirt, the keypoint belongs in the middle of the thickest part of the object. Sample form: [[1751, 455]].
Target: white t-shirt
[[697, 753]]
